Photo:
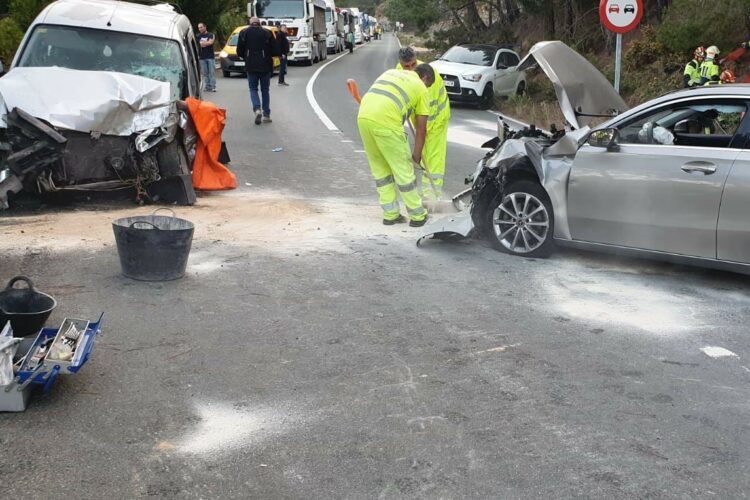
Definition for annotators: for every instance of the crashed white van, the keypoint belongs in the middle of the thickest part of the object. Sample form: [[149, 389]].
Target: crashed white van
[[94, 101]]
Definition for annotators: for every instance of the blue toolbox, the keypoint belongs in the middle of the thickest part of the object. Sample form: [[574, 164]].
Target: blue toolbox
[[41, 359]]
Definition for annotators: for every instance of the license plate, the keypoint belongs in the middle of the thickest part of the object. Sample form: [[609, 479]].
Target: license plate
[[449, 83], [240, 64]]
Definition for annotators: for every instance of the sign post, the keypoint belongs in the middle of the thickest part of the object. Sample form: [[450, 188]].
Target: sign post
[[620, 16]]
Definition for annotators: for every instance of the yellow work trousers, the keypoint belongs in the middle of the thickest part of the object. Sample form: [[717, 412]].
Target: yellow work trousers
[[391, 166], [433, 157]]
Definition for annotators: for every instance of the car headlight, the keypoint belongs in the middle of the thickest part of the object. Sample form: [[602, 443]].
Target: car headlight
[[303, 45], [223, 54], [474, 77]]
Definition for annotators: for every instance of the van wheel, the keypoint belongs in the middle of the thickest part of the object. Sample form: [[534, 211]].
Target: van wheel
[[521, 90], [521, 220]]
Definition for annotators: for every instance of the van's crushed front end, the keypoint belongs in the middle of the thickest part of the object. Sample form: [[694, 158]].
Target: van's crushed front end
[[117, 131]]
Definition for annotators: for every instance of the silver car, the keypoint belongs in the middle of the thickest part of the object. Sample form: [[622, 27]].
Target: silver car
[[669, 179]]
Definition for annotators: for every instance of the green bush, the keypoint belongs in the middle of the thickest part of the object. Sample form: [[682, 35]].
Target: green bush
[[10, 37], [690, 23]]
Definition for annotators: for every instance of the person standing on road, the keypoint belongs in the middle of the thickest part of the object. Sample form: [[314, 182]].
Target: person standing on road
[[350, 41], [395, 95], [207, 58], [257, 47], [283, 41], [436, 144]]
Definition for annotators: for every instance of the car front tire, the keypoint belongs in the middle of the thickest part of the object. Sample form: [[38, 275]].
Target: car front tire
[[225, 74], [488, 97], [521, 220]]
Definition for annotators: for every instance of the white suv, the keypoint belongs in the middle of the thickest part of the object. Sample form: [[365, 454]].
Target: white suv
[[475, 73]]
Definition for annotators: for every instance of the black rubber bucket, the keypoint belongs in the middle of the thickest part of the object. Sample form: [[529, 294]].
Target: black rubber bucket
[[153, 247], [27, 309]]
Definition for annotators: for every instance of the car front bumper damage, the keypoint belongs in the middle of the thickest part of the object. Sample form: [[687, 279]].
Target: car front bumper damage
[[57, 135]]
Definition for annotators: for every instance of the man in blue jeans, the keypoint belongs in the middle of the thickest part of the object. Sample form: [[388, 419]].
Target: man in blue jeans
[[257, 47], [208, 68]]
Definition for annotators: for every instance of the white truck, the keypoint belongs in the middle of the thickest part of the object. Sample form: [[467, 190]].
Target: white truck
[[306, 25], [334, 28], [357, 17]]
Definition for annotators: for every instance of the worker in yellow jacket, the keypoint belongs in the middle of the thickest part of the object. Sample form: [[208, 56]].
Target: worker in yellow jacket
[[436, 145], [396, 95]]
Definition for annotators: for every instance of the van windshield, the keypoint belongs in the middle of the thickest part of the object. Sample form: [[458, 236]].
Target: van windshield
[[99, 50], [282, 9]]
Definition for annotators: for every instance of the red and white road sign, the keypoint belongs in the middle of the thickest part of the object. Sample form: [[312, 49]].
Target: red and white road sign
[[620, 16]]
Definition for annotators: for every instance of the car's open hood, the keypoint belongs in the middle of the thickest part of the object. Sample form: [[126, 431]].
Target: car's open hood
[[581, 89]]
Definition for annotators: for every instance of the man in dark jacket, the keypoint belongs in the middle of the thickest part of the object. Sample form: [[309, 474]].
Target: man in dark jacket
[[257, 47], [283, 43]]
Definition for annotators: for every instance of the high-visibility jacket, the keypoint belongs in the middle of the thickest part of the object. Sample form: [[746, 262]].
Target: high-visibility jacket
[[395, 95], [692, 74], [710, 71], [440, 108]]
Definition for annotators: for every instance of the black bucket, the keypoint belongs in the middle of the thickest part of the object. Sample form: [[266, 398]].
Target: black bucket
[[27, 309], [153, 247]]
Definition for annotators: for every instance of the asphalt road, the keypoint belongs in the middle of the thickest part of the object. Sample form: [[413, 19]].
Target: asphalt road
[[311, 352]]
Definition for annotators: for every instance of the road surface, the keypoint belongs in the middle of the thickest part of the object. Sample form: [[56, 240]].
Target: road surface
[[311, 352]]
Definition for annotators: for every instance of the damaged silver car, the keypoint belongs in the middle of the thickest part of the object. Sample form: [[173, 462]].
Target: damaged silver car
[[669, 179], [94, 102]]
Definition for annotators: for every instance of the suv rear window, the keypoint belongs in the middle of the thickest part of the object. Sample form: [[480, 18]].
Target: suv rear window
[[100, 50]]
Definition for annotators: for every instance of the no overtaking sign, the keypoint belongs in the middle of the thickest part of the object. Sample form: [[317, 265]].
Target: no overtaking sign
[[620, 16]]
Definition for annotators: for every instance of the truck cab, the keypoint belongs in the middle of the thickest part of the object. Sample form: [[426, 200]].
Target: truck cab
[[334, 28], [306, 25], [357, 19]]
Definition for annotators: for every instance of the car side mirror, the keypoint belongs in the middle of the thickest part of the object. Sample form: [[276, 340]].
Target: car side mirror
[[606, 138]]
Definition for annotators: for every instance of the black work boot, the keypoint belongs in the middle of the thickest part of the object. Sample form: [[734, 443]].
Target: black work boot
[[418, 223], [391, 222]]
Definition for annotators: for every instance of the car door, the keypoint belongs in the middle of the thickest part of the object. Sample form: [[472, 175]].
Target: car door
[[503, 75], [733, 232], [652, 193]]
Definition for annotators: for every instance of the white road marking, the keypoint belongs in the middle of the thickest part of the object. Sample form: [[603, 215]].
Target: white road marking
[[314, 103], [346, 140], [359, 150], [718, 352]]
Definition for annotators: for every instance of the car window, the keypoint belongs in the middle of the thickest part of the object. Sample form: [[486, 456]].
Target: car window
[[508, 59], [470, 54], [101, 50], [694, 123]]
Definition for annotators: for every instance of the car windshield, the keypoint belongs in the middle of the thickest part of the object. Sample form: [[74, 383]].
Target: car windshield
[[99, 50], [287, 9], [329, 15], [478, 56], [233, 40]]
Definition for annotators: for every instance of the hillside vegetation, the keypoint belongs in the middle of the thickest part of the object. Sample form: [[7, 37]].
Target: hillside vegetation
[[654, 54]]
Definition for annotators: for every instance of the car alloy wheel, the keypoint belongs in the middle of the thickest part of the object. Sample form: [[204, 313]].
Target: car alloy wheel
[[522, 222]]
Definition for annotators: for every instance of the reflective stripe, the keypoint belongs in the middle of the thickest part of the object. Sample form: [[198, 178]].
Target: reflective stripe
[[435, 177], [439, 110], [441, 93], [389, 96], [384, 181], [416, 211], [407, 187], [401, 91], [390, 206], [433, 103]]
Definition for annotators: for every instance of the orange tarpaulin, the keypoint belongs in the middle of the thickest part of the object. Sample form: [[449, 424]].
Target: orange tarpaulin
[[208, 173]]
